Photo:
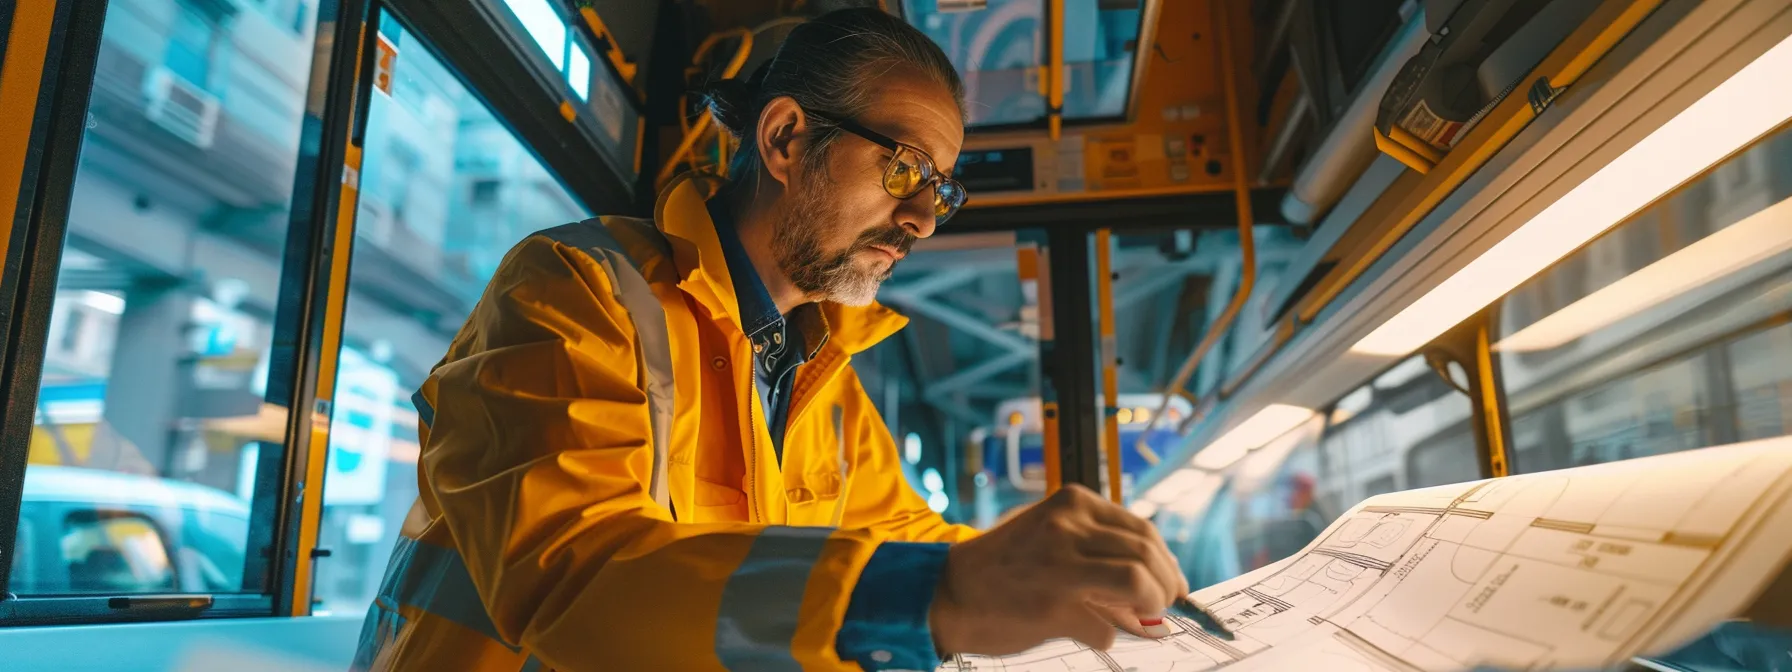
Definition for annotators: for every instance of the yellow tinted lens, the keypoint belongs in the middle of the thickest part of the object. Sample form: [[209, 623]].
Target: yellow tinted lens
[[904, 176]]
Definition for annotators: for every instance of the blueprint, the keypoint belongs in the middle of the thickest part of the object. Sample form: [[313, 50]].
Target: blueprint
[[1579, 568]]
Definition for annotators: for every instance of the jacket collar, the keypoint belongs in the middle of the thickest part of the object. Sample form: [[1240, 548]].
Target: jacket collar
[[682, 214]]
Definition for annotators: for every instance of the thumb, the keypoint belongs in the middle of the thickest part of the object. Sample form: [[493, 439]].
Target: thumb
[[1091, 628], [1123, 618]]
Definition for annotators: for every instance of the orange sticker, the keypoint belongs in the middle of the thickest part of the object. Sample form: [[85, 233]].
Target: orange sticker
[[382, 65]]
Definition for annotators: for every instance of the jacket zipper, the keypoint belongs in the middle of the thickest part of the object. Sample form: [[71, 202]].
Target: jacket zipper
[[752, 442]]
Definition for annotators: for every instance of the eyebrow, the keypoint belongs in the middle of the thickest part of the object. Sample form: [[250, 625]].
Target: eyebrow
[[880, 138]]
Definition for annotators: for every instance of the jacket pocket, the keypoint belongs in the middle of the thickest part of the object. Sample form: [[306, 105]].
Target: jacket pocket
[[717, 503]]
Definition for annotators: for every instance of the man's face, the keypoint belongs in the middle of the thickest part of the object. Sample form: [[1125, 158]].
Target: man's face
[[840, 232]]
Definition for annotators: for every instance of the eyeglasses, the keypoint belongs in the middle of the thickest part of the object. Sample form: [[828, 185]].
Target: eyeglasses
[[909, 171]]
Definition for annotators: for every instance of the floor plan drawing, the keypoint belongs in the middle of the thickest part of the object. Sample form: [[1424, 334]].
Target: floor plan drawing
[[1579, 568]]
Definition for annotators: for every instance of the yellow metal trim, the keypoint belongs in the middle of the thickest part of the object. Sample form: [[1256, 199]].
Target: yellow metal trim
[[982, 201], [1247, 243], [1054, 472], [1401, 153], [318, 450], [1412, 142], [617, 58], [21, 77], [1405, 207], [1104, 301], [687, 145], [1497, 463], [1027, 262], [1054, 86], [330, 349]]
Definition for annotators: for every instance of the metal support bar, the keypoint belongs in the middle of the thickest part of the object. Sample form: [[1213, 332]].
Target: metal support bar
[[1158, 279], [951, 317], [1055, 70], [934, 283], [1070, 357], [971, 376], [1467, 345], [1110, 387], [319, 242]]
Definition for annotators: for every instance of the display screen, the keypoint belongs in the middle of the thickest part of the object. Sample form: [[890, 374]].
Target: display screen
[[995, 170]]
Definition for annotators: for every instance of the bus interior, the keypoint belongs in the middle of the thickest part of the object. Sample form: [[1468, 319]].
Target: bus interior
[[1238, 265]]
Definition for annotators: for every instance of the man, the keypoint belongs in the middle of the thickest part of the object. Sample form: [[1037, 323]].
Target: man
[[646, 449]]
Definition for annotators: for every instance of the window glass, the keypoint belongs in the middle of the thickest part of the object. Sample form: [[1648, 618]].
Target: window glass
[[1665, 334], [24, 556], [454, 191], [156, 362], [544, 25], [190, 44], [960, 385], [1408, 428], [1000, 49], [578, 71], [115, 553]]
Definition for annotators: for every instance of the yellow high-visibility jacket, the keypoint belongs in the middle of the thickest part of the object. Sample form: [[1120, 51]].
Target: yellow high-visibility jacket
[[562, 524]]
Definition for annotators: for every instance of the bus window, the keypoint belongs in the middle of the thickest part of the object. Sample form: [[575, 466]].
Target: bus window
[[160, 337], [447, 190], [1406, 429], [1668, 333], [960, 385]]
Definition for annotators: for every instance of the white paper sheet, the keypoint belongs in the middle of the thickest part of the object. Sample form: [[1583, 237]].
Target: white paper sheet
[[1577, 568]]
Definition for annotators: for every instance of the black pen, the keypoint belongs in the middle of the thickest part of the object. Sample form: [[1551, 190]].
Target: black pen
[[1189, 610]]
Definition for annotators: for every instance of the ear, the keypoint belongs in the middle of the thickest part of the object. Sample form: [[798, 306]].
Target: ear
[[780, 130]]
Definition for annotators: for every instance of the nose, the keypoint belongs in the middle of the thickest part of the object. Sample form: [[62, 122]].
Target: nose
[[915, 214]]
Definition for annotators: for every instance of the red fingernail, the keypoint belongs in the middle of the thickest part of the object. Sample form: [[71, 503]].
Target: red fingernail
[[1151, 621]]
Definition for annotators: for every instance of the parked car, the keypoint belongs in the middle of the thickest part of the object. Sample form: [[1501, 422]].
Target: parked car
[[93, 531]]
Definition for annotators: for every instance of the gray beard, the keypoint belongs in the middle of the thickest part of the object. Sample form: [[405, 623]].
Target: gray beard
[[796, 242]]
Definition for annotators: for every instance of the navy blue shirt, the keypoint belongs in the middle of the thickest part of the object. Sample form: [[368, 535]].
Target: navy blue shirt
[[777, 349], [886, 620]]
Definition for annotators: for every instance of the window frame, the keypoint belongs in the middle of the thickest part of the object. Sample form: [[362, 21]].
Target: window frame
[[282, 548], [30, 281]]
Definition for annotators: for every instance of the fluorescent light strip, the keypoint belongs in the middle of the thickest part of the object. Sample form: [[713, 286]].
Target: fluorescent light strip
[[1271, 422], [1737, 247], [1747, 105], [1143, 508], [1174, 485]]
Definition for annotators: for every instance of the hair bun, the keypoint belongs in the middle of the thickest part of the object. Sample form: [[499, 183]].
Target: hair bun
[[730, 101]]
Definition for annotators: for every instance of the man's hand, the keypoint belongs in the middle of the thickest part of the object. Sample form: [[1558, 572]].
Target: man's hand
[[1066, 567]]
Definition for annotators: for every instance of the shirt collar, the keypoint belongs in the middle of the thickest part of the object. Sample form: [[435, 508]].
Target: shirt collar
[[703, 273], [759, 315]]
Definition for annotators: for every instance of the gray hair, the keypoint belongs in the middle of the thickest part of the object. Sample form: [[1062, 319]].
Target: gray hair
[[830, 65]]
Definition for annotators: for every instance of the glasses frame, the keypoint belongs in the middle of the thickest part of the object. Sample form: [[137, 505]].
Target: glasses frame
[[935, 177]]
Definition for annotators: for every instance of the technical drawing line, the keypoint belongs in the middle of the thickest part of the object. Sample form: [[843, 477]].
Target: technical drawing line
[[1707, 541], [1780, 492], [1108, 660], [1363, 561], [1200, 634], [1424, 510], [1375, 653], [1603, 606], [1544, 645], [1563, 525], [1269, 599]]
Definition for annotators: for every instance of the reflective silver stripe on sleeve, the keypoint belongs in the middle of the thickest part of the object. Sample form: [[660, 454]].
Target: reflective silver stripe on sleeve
[[435, 580], [760, 604], [653, 344], [425, 411]]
